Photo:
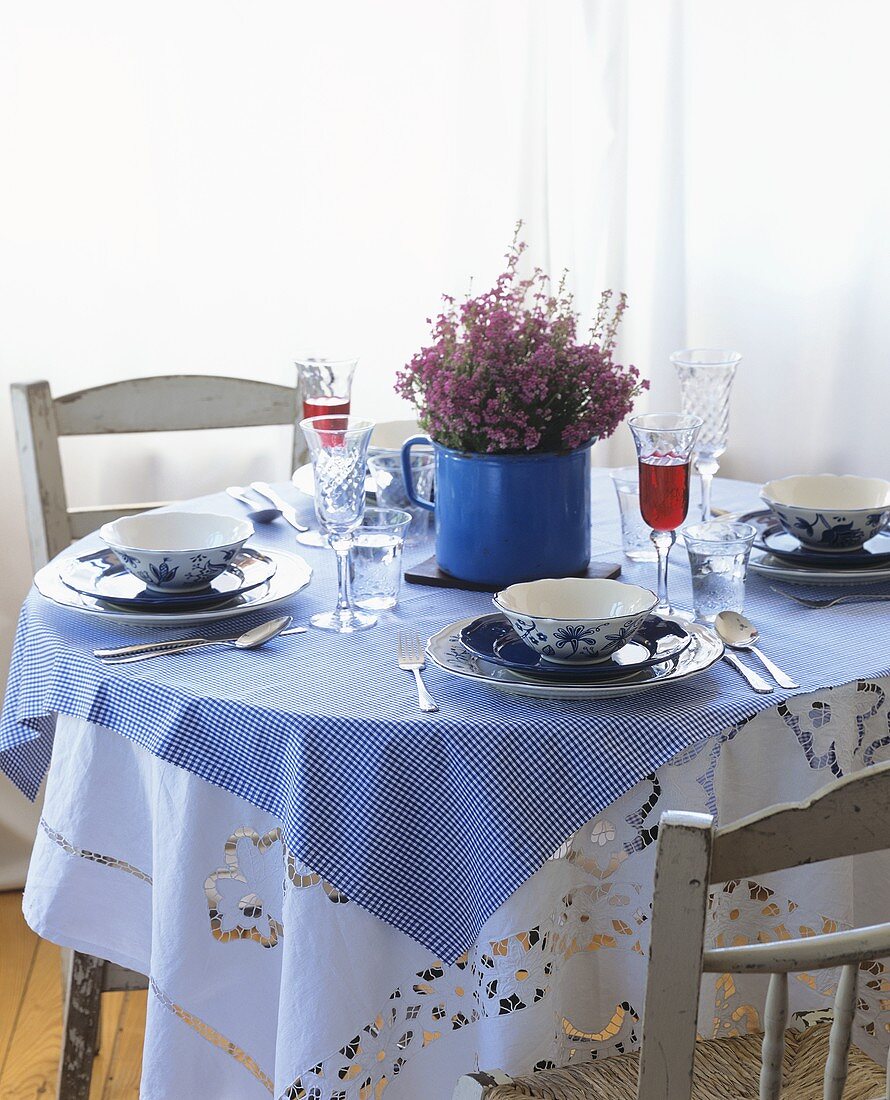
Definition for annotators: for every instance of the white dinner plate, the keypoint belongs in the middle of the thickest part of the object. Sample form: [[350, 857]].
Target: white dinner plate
[[768, 566], [446, 652], [291, 576], [304, 480]]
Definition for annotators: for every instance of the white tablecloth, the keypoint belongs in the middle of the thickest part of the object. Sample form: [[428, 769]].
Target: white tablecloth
[[266, 981]]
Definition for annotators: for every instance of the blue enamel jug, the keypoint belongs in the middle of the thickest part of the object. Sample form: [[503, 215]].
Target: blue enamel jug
[[507, 518]]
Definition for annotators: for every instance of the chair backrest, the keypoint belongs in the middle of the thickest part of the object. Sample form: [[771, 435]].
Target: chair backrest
[[161, 404], [849, 817]]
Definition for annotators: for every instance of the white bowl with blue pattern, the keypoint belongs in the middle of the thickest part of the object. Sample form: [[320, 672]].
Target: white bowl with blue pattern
[[176, 551], [829, 511], [575, 620]]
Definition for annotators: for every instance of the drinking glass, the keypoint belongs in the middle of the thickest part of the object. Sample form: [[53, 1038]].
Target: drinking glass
[[375, 560], [706, 377], [664, 443], [386, 470], [635, 539], [339, 449], [718, 558], [325, 386]]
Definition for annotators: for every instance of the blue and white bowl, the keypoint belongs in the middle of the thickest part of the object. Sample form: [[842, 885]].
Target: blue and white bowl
[[830, 512], [176, 551], [575, 620]]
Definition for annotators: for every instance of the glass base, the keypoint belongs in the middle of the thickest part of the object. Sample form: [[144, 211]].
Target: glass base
[[343, 622], [678, 614], [376, 603], [312, 537]]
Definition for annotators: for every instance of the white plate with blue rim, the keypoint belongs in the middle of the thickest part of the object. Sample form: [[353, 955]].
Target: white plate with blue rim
[[103, 576], [447, 653], [765, 565], [291, 576]]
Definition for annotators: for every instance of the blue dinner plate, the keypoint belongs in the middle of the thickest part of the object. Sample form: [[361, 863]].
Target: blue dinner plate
[[103, 577], [772, 537], [493, 638]]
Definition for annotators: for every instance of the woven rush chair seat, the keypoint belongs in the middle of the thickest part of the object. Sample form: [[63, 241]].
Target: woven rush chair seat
[[725, 1069]]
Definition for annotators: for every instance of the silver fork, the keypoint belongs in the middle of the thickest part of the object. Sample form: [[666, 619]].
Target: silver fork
[[411, 660], [851, 597]]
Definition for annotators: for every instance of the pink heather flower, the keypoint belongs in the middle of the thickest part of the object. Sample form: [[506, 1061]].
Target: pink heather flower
[[505, 372]]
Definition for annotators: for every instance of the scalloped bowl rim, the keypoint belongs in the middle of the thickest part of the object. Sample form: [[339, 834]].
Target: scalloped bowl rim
[[772, 492], [230, 531], [645, 599]]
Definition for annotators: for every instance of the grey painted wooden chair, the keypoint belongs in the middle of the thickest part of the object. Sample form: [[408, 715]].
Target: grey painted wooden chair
[[849, 817], [165, 403]]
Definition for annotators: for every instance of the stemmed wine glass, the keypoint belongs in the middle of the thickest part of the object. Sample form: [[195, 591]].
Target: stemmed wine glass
[[339, 449], [325, 386], [664, 443], [706, 377]]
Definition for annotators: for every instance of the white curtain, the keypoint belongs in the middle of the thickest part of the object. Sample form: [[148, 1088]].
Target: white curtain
[[208, 187]]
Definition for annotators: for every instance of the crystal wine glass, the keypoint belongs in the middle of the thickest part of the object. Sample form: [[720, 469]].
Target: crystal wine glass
[[664, 443], [706, 376], [325, 386], [339, 449]]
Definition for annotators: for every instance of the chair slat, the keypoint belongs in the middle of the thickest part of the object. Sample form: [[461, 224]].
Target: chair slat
[[83, 521], [775, 1020], [841, 1031], [678, 927], [793, 834], [40, 462], [174, 403], [811, 953]]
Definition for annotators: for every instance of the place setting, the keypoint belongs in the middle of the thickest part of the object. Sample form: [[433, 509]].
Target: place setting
[[611, 645], [171, 568], [823, 530]]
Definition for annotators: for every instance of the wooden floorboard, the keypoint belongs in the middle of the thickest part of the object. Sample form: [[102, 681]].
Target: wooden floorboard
[[18, 947], [33, 1058], [31, 1020]]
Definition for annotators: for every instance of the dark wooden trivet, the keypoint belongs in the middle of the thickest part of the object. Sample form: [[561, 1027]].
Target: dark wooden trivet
[[428, 572]]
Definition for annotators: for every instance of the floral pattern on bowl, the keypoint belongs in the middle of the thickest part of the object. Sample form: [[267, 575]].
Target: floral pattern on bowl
[[608, 614], [827, 512], [179, 551]]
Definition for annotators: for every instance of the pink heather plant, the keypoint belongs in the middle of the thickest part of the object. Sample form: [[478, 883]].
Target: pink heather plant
[[505, 372]]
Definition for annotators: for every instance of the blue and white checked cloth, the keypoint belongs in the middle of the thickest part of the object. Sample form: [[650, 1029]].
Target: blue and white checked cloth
[[428, 821]]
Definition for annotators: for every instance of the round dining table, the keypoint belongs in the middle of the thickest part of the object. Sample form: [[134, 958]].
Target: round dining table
[[336, 896]]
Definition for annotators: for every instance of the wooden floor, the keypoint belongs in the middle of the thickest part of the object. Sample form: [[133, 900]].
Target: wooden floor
[[31, 1020]]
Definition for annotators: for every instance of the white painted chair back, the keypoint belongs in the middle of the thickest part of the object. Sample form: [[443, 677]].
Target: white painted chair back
[[849, 817], [160, 404]]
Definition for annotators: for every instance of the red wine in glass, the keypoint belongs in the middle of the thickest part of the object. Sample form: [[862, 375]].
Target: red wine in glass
[[664, 491], [325, 406]]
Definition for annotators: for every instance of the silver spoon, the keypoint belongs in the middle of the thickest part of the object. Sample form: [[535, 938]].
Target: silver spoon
[[251, 639], [739, 633], [259, 515]]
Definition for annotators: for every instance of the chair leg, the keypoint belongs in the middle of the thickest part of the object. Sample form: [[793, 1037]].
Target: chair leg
[[80, 1029]]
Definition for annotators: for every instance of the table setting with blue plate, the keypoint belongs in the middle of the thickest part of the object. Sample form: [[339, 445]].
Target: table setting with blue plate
[[359, 834], [438, 841]]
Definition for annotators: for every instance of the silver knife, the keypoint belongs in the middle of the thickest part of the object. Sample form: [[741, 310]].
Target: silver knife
[[287, 510]]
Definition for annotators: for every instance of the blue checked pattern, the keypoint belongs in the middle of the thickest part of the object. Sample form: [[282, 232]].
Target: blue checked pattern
[[430, 821]]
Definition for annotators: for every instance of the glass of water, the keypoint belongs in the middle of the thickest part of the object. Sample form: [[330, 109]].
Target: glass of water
[[635, 533], [386, 470], [718, 557], [376, 558]]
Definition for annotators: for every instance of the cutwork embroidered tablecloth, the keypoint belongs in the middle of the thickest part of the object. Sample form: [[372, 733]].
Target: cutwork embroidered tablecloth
[[268, 981], [429, 822]]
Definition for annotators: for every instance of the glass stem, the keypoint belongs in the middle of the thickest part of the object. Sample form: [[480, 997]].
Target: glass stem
[[341, 548], [663, 541], [706, 467]]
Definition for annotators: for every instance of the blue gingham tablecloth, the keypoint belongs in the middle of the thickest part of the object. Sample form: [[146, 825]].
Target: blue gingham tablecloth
[[428, 821]]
